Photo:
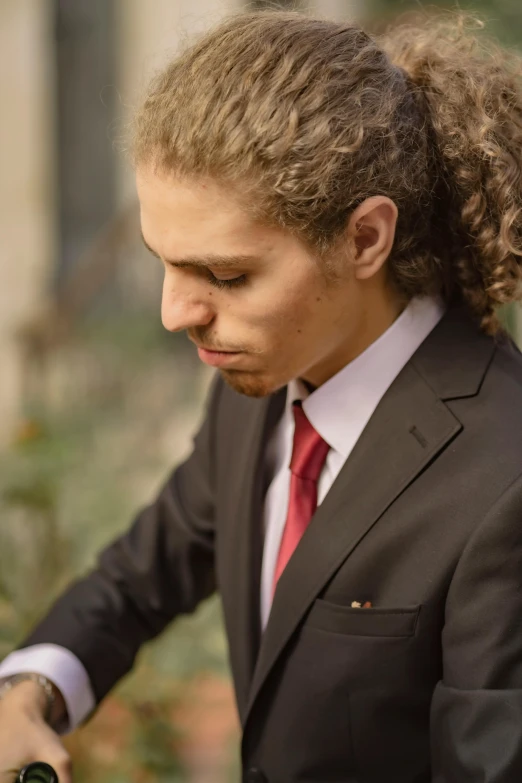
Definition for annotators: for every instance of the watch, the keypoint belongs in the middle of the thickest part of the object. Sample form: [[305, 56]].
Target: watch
[[47, 686]]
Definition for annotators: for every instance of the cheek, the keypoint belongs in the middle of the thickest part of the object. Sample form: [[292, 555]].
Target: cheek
[[286, 313], [266, 311], [299, 325], [303, 309]]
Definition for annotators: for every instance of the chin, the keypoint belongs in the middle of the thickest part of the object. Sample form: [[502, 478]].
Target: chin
[[250, 384]]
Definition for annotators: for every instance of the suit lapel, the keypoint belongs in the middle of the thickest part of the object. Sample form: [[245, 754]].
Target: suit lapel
[[409, 428], [243, 542]]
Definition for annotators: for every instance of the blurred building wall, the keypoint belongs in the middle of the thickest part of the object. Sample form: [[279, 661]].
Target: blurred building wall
[[27, 184], [35, 194], [84, 42]]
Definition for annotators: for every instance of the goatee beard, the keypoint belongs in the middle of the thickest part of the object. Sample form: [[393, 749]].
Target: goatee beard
[[247, 384]]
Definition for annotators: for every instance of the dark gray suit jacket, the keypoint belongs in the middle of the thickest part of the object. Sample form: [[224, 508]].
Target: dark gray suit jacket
[[424, 520]]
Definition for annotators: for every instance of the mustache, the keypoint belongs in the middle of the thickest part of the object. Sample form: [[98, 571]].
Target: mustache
[[200, 339], [208, 343]]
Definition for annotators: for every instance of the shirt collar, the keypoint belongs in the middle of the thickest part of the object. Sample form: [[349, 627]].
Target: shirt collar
[[340, 408]]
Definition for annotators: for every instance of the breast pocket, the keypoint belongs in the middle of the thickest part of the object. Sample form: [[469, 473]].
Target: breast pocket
[[395, 622]]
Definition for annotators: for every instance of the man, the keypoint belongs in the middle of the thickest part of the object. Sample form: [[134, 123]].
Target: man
[[355, 490]]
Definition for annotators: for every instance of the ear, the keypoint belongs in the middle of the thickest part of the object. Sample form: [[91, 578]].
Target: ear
[[372, 230]]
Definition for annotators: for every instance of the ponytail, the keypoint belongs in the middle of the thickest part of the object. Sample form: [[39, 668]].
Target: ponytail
[[472, 92]]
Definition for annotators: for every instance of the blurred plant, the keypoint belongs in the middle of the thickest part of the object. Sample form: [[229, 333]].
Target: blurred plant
[[511, 318], [73, 478], [154, 746], [501, 16], [34, 557], [130, 740], [141, 742]]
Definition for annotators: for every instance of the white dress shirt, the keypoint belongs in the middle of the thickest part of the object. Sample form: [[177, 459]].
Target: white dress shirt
[[339, 410]]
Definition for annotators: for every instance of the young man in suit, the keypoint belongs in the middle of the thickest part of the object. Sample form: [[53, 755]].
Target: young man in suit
[[338, 218]]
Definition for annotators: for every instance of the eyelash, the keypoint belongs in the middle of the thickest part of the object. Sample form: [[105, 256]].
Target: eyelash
[[235, 282]]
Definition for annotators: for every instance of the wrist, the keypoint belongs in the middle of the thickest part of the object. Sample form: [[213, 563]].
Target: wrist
[[27, 696], [36, 695]]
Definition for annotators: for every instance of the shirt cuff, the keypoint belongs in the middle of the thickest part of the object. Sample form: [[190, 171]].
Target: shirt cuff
[[64, 669]]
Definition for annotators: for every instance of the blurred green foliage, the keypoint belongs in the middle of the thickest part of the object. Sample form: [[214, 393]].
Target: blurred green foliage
[[71, 482], [502, 17]]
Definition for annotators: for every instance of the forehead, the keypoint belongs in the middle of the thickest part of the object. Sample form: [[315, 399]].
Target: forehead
[[191, 215]]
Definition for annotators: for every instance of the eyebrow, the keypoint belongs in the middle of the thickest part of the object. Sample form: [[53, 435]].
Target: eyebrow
[[215, 261]]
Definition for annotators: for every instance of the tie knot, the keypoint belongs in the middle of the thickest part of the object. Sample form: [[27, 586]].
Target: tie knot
[[310, 450]]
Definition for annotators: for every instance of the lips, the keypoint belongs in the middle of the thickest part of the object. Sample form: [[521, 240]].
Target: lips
[[217, 358]]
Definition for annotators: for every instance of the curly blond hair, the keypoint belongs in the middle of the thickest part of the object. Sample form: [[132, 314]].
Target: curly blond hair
[[304, 118]]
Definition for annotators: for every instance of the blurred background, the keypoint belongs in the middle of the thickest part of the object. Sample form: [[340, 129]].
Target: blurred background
[[97, 401]]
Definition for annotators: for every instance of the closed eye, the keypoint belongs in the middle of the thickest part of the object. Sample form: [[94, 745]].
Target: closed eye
[[234, 282], [217, 282]]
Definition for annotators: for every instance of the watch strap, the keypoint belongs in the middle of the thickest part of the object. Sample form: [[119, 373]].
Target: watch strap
[[47, 686]]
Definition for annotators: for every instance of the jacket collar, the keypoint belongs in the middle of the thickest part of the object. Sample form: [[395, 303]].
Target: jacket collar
[[409, 429]]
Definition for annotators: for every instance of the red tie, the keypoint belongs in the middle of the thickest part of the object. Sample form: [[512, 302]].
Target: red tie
[[308, 457]]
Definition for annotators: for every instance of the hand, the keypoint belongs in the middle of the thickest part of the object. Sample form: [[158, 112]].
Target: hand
[[25, 736]]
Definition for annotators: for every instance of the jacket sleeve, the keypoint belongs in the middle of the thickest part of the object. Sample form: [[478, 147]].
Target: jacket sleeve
[[476, 719], [161, 567]]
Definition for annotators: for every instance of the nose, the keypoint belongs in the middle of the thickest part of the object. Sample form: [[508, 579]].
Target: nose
[[181, 309]]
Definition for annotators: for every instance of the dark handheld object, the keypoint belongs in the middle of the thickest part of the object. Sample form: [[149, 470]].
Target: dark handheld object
[[39, 772]]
